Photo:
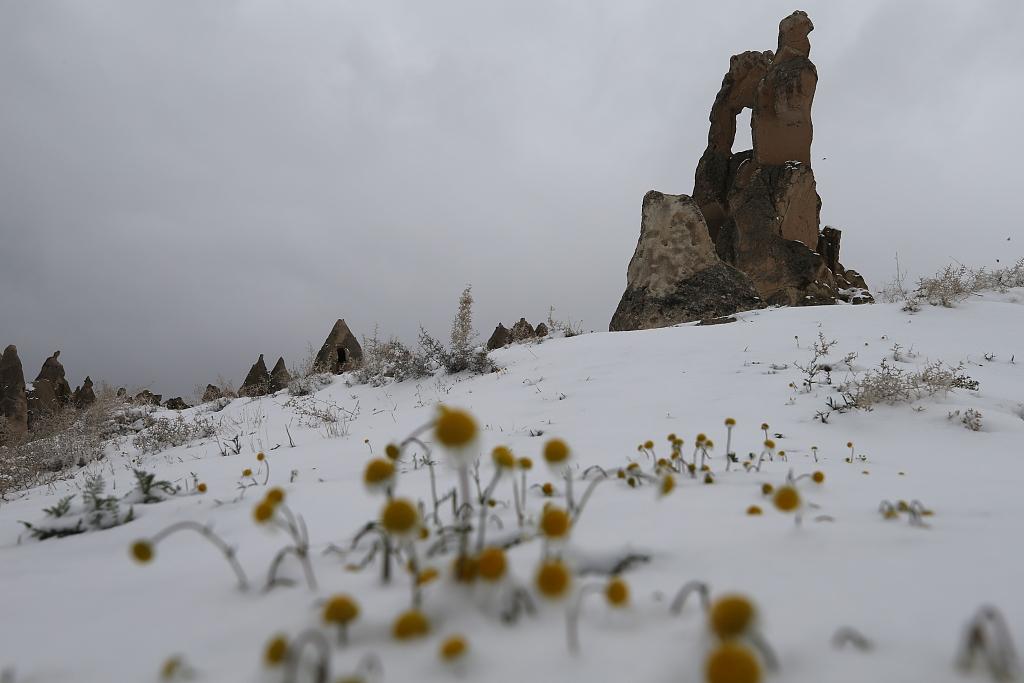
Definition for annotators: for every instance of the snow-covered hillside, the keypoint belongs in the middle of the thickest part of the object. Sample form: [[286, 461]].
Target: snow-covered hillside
[[80, 609]]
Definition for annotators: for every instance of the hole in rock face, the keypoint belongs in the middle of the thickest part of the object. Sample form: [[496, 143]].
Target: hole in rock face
[[744, 140], [342, 356]]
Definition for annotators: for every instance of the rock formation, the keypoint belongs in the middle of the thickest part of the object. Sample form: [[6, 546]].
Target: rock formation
[[84, 395], [50, 391], [675, 275], [542, 330], [176, 403], [279, 376], [148, 398], [212, 393], [13, 399], [499, 338], [257, 382], [760, 207], [522, 331], [341, 351]]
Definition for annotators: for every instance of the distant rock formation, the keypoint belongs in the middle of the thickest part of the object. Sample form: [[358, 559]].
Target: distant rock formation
[[13, 399], [148, 398], [675, 275], [519, 332], [50, 391], [176, 403], [257, 382], [212, 393], [760, 207], [279, 376], [84, 395], [500, 337], [522, 331], [341, 351]]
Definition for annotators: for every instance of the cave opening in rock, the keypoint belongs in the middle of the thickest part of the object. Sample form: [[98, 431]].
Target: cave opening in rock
[[342, 356], [744, 139]]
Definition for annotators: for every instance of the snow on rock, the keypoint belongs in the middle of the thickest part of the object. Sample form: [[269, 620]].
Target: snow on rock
[[79, 609]]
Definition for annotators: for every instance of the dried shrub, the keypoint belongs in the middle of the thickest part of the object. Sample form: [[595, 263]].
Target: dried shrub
[[391, 360], [167, 433]]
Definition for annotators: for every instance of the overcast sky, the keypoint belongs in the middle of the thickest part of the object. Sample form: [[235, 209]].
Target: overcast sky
[[187, 184]]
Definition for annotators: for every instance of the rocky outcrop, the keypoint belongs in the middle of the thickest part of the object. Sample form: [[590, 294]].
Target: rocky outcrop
[[761, 207], [148, 398], [542, 330], [84, 395], [257, 382], [341, 351], [279, 376], [675, 275], [522, 331], [500, 337], [13, 399], [50, 390], [212, 393], [176, 403]]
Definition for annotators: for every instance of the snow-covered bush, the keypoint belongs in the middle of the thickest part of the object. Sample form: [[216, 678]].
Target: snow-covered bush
[[567, 327], [954, 284], [390, 359], [166, 433], [462, 352], [149, 489], [95, 511], [971, 418], [309, 384], [891, 385]]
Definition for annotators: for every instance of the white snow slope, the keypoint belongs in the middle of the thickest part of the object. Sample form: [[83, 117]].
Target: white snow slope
[[80, 609]]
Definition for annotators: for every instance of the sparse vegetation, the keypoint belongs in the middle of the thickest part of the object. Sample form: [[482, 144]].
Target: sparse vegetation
[[951, 285], [95, 511], [167, 433], [59, 442]]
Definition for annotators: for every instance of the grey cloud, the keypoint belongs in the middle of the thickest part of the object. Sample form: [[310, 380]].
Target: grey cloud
[[185, 185]]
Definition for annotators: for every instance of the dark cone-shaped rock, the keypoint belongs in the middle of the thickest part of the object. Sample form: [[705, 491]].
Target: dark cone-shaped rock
[[176, 403], [499, 338], [212, 393], [542, 330], [13, 399], [522, 331], [675, 276], [84, 395], [341, 351], [50, 390], [257, 382], [279, 376]]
